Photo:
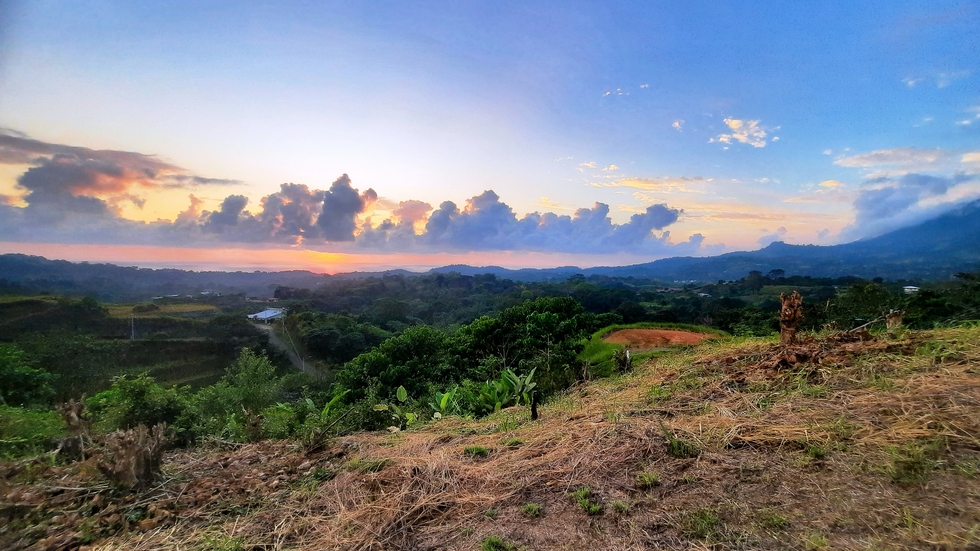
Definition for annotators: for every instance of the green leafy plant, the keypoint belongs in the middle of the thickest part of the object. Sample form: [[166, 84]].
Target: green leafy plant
[[587, 501], [399, 413], [445, 403], [621, 507]]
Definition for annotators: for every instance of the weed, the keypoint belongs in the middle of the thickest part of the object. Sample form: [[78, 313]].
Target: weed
[[659, 394], [222, 542], [765, 402], [772, 519], [367, 465], [913, 463], [689, 478], [476, 451], [647, 479], [704, 408], [701, 524], [816, 451], [490, 514], [621, 507], [584, 497], [496, 543], [968, 468], [816, 541], [679, 447], [513, 443], [531, 510]]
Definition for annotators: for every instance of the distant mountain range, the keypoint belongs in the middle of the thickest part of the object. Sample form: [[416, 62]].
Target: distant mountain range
[[932, 250]]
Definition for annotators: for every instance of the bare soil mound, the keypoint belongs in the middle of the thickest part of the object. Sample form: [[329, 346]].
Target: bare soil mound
[[640, 339]]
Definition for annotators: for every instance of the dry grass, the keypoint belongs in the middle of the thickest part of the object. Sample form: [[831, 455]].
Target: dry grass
[[792, 457]]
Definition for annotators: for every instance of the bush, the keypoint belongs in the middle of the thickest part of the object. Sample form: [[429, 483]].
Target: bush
[[130, 402], [21, 384]]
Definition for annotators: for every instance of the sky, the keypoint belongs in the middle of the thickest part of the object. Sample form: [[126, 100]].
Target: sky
[[340, 136]]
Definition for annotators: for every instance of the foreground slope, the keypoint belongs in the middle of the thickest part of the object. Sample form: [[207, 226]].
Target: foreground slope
[[734, 444]]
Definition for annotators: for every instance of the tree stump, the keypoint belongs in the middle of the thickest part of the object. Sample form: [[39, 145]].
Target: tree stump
[[893, 319], [790, 317]]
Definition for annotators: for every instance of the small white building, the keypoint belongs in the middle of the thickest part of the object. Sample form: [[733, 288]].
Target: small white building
[[269, 315], [910, 289]]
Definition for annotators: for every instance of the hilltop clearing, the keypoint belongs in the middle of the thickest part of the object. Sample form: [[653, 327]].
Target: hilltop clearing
[[836, 443], [645, 339]]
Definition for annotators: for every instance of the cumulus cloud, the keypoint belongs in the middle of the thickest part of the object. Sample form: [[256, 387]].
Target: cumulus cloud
[[744, 131], [771, 238]]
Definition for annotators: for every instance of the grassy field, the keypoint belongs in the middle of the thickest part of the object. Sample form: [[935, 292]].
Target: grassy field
[[599, 354], [167, 310]]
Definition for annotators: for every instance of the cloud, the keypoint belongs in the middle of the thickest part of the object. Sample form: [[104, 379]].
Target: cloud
[[644, 86], [767, 240], [64, 181], [898, 161], [678, 125], [827, 152], [743, 131], [942, 79], [831, 184], [668, 184], [72, 195], [887, 204], [969, 121], [610, 168]]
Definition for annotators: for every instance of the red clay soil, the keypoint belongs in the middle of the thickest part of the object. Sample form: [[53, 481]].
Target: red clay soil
[[655, 338]]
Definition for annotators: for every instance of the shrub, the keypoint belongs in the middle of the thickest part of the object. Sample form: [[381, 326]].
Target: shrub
[[130, 402], [20, 383]]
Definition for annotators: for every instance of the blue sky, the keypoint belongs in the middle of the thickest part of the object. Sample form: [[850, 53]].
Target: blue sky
[[703, 127]]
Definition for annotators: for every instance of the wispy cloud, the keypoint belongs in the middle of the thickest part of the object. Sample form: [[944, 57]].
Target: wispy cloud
[[899, 160], [664, 185], [969, 121], [678, 125]]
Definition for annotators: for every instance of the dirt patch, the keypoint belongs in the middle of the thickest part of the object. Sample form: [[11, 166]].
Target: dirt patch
[[644, 339]]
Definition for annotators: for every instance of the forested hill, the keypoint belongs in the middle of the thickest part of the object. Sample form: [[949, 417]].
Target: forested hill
[[23, 274]]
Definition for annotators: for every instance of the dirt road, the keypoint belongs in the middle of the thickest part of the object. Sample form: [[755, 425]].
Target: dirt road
[[277, 342]]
